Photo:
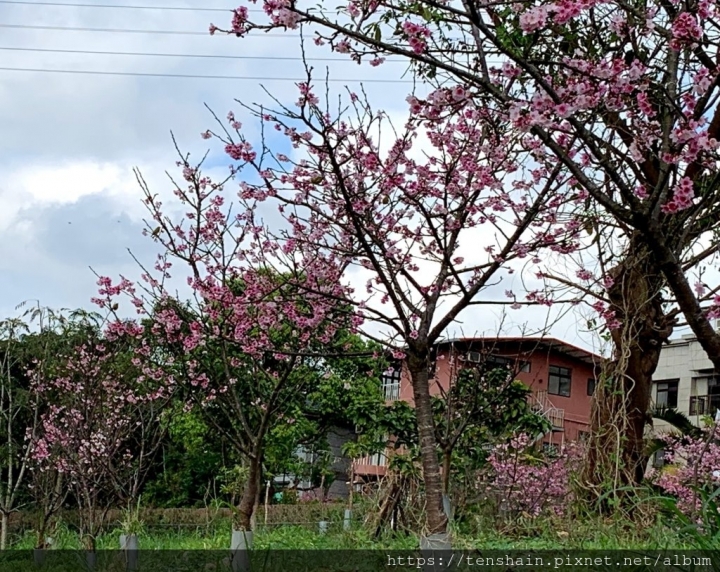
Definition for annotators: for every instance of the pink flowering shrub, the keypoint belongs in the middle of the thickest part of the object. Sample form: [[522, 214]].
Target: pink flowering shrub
[[525, 480], [101, 428], [691, 464]]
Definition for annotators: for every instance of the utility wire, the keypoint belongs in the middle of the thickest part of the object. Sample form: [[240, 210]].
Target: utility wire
[[126, 31], [129, 31], [129, 7], [192, 76], [149, 54], [205, 56]]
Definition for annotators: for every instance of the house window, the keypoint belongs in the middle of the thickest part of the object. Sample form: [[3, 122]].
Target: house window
[[591, 386], [391, 383], [493, 361], [708, 403], [698, 405], [510, 362], [559, 379], [666, 393]]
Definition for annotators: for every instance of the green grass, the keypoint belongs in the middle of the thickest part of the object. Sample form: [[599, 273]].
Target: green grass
[[205, 549], [538, 534]]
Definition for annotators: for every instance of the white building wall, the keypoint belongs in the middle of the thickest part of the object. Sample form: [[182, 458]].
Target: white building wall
[[682, 359]]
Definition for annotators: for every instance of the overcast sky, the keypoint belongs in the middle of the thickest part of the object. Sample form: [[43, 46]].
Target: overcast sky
[[69, 141]]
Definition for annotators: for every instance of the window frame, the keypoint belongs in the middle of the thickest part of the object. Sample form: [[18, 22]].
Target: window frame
[[670, 383], [591, 383], [559, 373], [390, 382]]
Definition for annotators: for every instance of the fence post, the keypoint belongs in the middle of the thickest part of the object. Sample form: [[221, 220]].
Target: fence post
[[240, 545], [267, 500]]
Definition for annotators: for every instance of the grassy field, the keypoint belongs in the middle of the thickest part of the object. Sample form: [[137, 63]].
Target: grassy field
[[301, 549], [541, 534]]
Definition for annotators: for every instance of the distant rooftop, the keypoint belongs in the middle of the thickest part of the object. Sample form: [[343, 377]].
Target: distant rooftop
[[537, 342]]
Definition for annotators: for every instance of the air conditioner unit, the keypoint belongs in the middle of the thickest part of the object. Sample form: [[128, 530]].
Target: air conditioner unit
[[475, 357]]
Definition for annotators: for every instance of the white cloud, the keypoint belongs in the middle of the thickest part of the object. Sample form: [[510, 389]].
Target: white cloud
[[69, 197]]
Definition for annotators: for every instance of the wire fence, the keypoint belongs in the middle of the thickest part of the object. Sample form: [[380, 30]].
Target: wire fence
[[306, 515]]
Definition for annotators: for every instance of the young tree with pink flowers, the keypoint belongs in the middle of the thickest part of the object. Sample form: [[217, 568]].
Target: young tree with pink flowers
[[31, 347], [427, 235], [101, 427], [245, 349], [619, 97], [525, 482]]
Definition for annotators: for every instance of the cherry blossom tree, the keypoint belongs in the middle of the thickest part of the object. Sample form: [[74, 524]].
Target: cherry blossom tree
[[427, 235], [620, 97], [693, 467], [245, 349], [29, 348], [101, 427]]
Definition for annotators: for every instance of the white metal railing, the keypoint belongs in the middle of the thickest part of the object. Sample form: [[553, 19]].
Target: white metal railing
[[376, 460], [391, 391], [542, 405]]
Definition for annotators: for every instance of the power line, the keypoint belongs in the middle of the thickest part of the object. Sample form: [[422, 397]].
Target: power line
[[129, 31], [219, 56], [192, 76], [125, 31], [131, 7]]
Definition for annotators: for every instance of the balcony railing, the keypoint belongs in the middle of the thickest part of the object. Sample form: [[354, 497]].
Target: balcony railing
[[704, 404], [376, 460], [391, 391], [541, 403]]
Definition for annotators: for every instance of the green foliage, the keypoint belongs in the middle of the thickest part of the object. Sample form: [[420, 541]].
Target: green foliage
[[481, 408], [190, 461], [679, 420], [131, 522], [702, 529]]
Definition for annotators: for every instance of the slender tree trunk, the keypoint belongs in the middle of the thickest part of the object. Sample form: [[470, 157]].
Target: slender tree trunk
[[621, 407], [3, 530], [436, 519], [248, 501]]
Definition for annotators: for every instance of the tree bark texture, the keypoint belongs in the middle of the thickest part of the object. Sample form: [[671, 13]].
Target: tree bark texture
[[621, 405], [248, 502], [436, 519]]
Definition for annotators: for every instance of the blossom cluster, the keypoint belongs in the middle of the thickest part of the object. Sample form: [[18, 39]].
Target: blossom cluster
[[683, 196], [417, 36], [93, 411], [691, 463], [527, 481]]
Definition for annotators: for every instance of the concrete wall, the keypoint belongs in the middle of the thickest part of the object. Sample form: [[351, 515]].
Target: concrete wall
[[683, 359]]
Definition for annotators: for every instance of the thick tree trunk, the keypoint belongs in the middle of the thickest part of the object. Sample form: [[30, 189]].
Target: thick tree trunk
[[621, 407], [436, 519], [248, 502]]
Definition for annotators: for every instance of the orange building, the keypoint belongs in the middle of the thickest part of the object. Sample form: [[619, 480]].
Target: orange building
[[561, 376]]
